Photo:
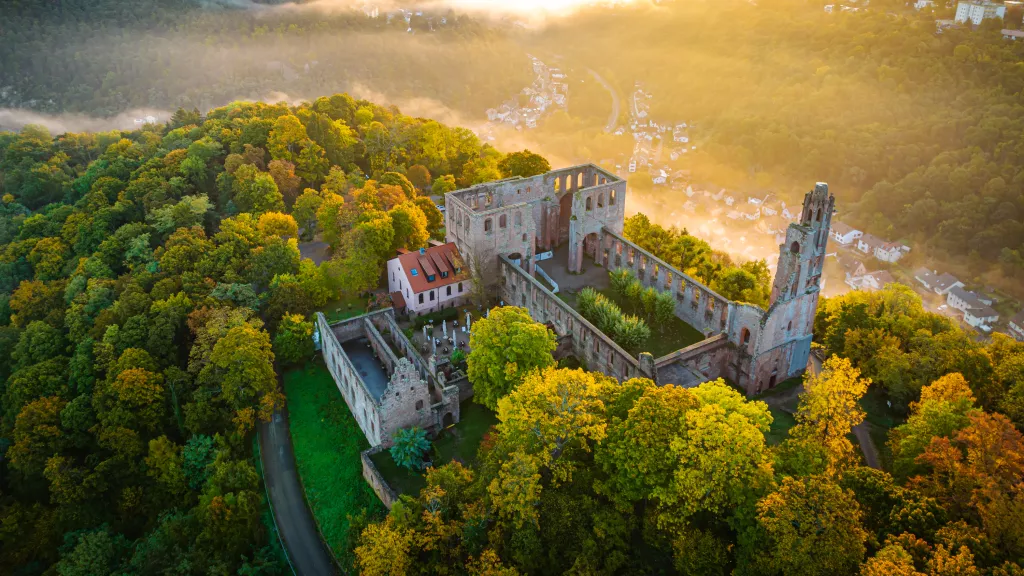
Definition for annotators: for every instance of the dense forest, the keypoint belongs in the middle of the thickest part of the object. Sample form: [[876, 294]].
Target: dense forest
[[587, 475], [919, 132], [150, 284]]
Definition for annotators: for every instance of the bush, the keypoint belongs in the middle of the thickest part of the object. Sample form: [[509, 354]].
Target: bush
[[648, 298], [457, 357], [631, 332], [664, 307], [621, 279], [634, 291], [607, 315], [586, 300], [409, 448]]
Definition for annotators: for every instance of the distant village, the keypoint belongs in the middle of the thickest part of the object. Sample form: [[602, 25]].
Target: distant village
[[549, 92]]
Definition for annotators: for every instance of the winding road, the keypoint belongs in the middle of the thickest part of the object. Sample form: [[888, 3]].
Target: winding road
[[613, 118], [295, 523]]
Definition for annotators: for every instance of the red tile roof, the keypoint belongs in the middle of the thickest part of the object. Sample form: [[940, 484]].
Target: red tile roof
[[435, 261], [397, 300]]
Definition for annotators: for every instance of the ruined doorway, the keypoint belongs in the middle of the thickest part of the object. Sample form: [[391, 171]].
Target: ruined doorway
[[447, 420]]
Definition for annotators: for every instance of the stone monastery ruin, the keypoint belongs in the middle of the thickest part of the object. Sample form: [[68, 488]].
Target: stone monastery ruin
[[501, 226]]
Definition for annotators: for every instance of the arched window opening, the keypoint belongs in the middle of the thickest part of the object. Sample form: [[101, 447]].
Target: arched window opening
[[817, 215], [794, 247], [502, 221], [519, 218], [600, 200], [487, 225], [611, 198], [744, 337], [590, 204]]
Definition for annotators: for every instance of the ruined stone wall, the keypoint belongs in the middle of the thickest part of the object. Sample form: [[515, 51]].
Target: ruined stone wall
[[375, 479], [519, 216], [696, 304], [360, 401], [712, 358], [517, 288], [406, 402]]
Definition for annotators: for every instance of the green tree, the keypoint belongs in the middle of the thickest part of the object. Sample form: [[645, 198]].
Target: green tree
[[523, 164], [255, 191], [504, 348], [293, 343], [409, 446]]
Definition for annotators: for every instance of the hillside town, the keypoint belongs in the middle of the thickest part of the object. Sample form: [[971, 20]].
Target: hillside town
[[549, 92]]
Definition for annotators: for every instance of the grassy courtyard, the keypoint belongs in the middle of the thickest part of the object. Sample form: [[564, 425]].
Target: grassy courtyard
[[666, 337], [459, 442], [327, 444]]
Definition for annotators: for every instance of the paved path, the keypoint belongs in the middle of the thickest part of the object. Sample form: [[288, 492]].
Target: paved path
[[294, 521], [867, 445], [613, 118]]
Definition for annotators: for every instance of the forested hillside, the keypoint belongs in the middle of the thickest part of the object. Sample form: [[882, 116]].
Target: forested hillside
[[150, 282], [919, 133]]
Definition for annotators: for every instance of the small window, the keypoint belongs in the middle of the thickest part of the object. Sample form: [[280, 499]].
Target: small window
[[487, 225], [529, 189], [415, 272], [600, 200], [421, 298], [590, 204], [431, 295], [519, 218], [611, 198], [524, 237], [449, 290], [460, 287], [419, 404], [794, 247], [502, 221]]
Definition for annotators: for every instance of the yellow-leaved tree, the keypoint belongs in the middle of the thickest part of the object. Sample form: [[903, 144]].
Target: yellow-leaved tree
[[829, 410]]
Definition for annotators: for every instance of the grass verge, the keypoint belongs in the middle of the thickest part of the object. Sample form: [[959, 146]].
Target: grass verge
[[342, 308], [782, 421], [327, 443]]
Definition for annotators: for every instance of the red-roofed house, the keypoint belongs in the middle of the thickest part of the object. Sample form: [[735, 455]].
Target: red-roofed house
[[429, 279]]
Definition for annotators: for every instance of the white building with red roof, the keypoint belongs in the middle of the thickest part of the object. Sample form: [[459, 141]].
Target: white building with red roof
[[429, 279]]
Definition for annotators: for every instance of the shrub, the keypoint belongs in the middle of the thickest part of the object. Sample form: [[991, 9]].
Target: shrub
[[606, 315], [649, 298], [621, 279], [586, 300], [633, 291], [457, 357], [409, 448], [664, 307], [631, 332]]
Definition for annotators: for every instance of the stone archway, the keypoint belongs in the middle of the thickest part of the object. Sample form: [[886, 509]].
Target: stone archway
[[590, 246]]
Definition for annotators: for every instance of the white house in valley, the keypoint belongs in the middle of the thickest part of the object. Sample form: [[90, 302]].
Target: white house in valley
[[428, 280], [976, 313], [941, 284], [845, 234]]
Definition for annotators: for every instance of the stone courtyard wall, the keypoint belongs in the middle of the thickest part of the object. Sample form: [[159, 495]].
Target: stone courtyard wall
[[517, 288]]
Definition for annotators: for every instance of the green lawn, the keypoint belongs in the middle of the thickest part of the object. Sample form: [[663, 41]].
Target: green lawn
[[782, 421], [457, 443], [327, 444], [666, 337], [461, 441], [342, 308]]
